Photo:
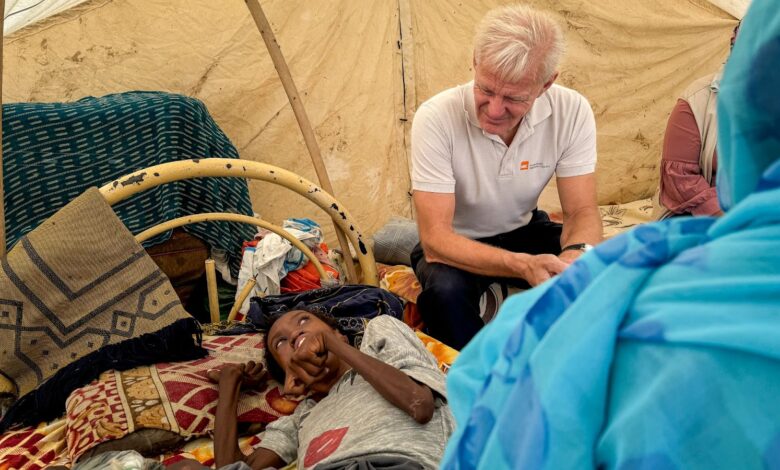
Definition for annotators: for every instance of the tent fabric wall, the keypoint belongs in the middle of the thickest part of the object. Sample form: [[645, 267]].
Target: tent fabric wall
[[343, 58], [362, 66], [735, 8]]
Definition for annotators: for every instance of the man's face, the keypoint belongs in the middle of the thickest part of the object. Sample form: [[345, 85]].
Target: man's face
[[501, 106], [287, 335]]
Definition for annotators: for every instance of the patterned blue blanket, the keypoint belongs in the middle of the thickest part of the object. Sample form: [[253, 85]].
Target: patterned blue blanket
[[52, 152]]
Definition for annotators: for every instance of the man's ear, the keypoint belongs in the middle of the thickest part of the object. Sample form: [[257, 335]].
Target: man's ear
[[549, 83]]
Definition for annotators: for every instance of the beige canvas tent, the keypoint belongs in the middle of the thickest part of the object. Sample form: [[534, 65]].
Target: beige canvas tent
[[362, 67]]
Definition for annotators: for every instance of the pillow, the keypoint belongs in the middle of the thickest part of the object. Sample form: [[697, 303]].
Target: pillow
[[78, 296], [351, 305], [177, 398], [394, 242]]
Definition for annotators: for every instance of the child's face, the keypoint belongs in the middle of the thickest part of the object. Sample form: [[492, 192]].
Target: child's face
[[287, 335]]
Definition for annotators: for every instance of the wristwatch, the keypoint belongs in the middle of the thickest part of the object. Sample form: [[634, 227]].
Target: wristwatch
[[577, 246]]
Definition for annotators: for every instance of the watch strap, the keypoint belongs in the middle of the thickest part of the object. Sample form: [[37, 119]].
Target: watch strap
[[577, 246]]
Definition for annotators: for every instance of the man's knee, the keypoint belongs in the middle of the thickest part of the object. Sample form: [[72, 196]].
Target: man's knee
[[446, 287], [444, 279]]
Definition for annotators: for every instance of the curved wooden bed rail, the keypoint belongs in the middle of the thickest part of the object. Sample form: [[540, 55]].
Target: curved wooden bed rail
[[226, 216], [147, 178]]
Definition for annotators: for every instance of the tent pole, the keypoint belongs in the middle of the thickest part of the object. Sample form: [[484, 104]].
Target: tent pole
[[300, 115], [2, 188]]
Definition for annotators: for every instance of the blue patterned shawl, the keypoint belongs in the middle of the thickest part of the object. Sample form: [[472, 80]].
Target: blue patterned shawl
[[660, 349]]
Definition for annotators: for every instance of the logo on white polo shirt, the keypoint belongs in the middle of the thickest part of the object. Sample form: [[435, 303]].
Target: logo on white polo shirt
[[525, 165]]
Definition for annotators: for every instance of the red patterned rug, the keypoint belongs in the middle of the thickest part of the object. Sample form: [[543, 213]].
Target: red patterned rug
[[176, 397]]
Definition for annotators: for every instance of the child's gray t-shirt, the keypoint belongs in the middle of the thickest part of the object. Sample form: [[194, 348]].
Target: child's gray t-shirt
[[354, 420]]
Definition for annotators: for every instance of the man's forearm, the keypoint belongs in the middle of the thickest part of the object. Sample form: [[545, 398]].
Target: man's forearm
[[583, 226], [458, 251]]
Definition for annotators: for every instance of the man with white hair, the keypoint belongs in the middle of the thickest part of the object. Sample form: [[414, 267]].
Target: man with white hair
[[482, 153]]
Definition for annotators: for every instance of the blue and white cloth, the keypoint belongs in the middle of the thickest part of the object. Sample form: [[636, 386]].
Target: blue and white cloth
[[308, 232], [660, 349]]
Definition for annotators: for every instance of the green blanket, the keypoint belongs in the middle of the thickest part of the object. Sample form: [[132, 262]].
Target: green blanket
[[53, 152]]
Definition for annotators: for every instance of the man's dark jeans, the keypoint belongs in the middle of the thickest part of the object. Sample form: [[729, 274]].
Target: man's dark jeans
[[449, 302]]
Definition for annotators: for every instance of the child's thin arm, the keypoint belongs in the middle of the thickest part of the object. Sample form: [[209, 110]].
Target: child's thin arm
[[264, 458], [226, 450], [396, 387]]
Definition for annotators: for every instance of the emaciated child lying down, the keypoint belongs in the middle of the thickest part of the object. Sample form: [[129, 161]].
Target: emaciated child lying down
[[380, 406]]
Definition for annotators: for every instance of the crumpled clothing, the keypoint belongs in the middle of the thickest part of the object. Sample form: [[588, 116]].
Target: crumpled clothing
[[264, 263], [307, 231], [273, 257], [372, 462], [307, 278]]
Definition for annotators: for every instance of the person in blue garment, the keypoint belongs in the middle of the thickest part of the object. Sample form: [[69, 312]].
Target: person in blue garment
[[659, 349]]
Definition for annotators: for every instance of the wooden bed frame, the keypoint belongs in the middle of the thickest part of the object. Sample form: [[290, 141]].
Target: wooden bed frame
[[147, 178]]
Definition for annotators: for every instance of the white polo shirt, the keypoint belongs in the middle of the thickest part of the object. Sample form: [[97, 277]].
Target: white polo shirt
[[496, 187]]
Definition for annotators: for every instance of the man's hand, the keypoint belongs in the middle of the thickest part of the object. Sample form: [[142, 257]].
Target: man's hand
[[570, 256], [536, 269], [435, 212]]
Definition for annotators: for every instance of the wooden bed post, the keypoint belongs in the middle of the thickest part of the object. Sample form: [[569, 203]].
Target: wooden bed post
[[2, 187], [300, 115], [5, 385]]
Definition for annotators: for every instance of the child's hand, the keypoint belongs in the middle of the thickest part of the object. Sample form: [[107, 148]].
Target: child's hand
[[311, 353], [307, 366], [250, 374], [231, 372], [254, 374]]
